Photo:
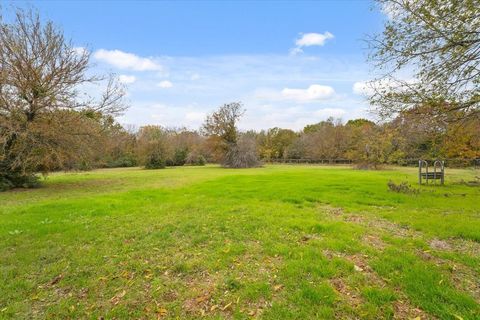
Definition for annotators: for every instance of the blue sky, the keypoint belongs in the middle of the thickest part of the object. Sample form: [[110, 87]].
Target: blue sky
[[290, 63]]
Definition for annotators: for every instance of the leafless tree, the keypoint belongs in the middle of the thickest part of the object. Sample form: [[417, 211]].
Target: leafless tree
[[242, 154], [46, 113]]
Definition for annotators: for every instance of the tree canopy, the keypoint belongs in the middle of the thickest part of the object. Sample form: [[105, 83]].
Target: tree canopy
[[428, 54]]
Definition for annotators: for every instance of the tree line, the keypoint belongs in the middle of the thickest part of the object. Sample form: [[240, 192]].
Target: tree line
[[51, 118], [365, 143]]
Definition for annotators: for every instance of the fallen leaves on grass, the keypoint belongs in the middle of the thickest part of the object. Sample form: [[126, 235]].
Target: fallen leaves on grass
[[359, 263], [116, 298], [278, 287], [170, 296], [226, 306], [200, 303], [56, 280], [161, 312], [357, 268], [403, 310], [353, 298], [308, 237]]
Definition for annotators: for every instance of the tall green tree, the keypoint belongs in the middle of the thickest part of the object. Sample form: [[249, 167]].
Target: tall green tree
[[276, 143], [221, 128], [236, 150]]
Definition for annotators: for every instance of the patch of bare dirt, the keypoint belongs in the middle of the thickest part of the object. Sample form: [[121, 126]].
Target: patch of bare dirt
[[255, 309], [201, 303], [170, 296], [201, 287], [360, 264], [209, 296], [355, 219], [402, 307], [403, 310], [351, 296], [374, 222], [334, 211], [329, 254], [374, 241], [437, 244], [464, 246], [393, 228]]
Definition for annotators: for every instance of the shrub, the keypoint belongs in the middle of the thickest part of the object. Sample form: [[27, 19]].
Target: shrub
[[195, 159], [152, 147], [155, 160], [201, 161], [179, 158], [15, 178], [18, 180], [122, 162], [84, 165], [242, 154]]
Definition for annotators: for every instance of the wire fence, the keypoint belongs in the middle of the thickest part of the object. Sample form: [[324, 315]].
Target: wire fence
[[312, 161], [449, 162]]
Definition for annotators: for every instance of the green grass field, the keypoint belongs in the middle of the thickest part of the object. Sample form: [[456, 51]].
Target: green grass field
[[279, 242]]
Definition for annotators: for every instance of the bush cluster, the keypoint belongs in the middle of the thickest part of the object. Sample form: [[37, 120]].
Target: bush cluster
[[402, 187], [155, 161], [17, 179]]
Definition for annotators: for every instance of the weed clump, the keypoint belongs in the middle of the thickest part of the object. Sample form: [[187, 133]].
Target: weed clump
[[403, 187]]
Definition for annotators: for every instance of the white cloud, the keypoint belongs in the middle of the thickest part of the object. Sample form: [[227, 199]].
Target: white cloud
[[310, 39], [312, 93], [313, 39], [127, 79], [125, 60], [295, 51], [165, 84], [168, 115], [256, 80]]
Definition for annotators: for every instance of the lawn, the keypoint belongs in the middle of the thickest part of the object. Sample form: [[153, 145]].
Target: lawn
[[278, 242]]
